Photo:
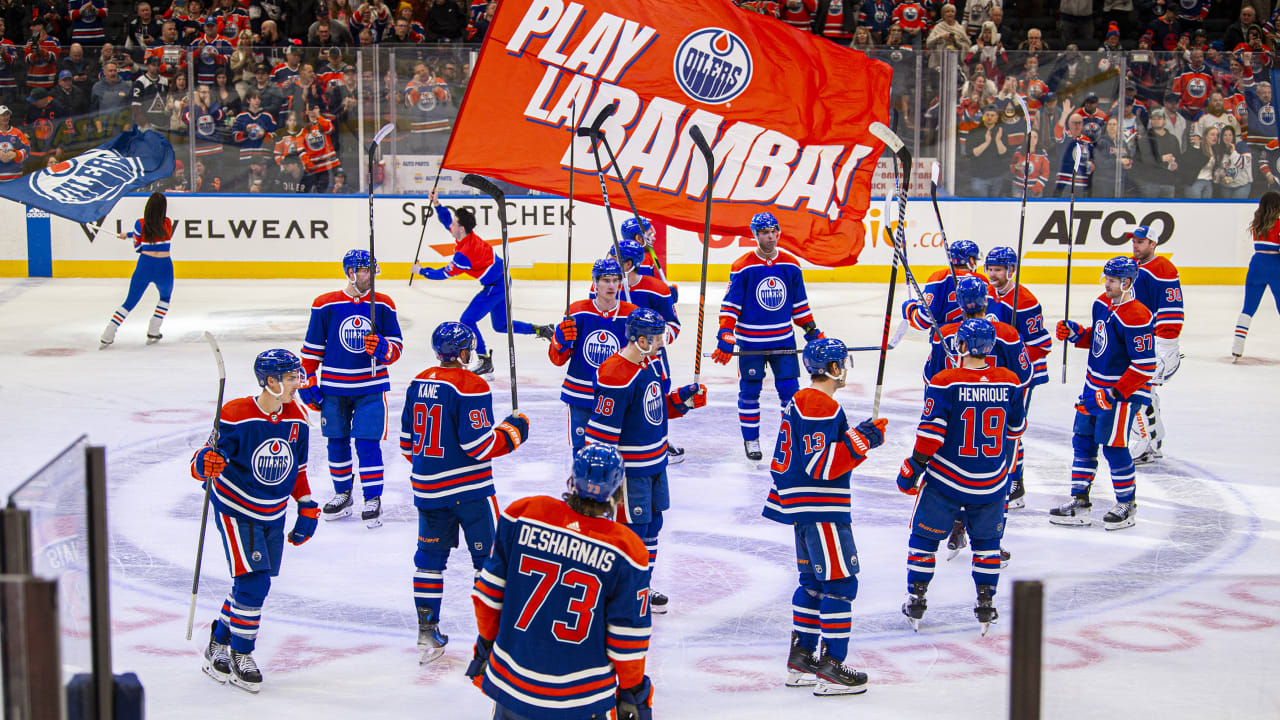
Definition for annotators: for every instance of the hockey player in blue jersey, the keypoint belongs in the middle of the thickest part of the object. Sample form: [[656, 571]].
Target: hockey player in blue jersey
[[259, 462], [1159, 289], [631, 414], [346, 362], [1116, 386], [940, 289], [960, 466], [766, 295], [591, 332], [447, 434], [562, 604], [813, 459]]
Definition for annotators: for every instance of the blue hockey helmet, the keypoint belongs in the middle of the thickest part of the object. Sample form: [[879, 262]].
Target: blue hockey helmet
[[631, 250], [961, 251], [1121, 266], [604, 267], [643, 322], [274, 364], [449, 340], [597, 472], [978, 335], [764, 221], [820, 353], [633, 229], [1001, 255], [971, 294], [356, 259]]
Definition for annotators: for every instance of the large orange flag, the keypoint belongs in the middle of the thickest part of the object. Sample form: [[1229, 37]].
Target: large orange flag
[[786, 114]]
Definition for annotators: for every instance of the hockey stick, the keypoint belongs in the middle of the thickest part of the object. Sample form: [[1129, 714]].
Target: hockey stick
[[937, 213], [595, 135], [487, 187], [893, 342], [1071, 242], [885, 341], [208, 484], [382, 133], [613, 162], [700, 140], [431, 211], [573, 170], [1022, 216]]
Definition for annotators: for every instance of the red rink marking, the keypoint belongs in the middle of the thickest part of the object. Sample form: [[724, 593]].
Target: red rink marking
[[53, 352], [170, 416]]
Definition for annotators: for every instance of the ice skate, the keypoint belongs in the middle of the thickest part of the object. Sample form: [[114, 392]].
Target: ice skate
[[338, 507], [836, 678], [1121, 516], [915, 605], [430, 640], [958, 540], [1242, 332], [985, 610], [802, 666], [108, 336], [1004, 558], [372, 513], [675, 455], [1072, 513], [753, 450], [1017, 501], [217, 658], [244, 672], [484, 364], [153, 339], [658, 602], [1149, 457], [546, 332]]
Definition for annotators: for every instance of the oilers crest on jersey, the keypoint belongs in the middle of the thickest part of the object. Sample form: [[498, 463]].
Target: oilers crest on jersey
[[654, 404], [1098, 346], [352, 331], [598, 346], [272, 462], [771, 293]]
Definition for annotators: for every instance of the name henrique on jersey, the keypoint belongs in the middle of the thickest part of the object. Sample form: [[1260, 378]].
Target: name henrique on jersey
[[446, 432], [940, 297], [631, 414], [565, 598], [812, 462], [1158, 288], [1030, 326], [968, 416], [266, 461], [763, 300], [335, 340], [600, 335], [1009, 352], [1121, 349]]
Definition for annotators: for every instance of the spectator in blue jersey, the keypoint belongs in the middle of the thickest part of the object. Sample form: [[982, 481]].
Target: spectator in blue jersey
[[447, 434], [256, 460], [811, 493], [562, 604], [630, 413], [150, 235], [968, 404], [765, 296], [346, 354]]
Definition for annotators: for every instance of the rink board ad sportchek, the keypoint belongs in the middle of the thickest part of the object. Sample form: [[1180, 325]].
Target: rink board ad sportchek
[[285, 237]]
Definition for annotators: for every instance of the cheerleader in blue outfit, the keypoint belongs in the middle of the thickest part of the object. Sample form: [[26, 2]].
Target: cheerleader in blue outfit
[[150, 237], [1264, 266]]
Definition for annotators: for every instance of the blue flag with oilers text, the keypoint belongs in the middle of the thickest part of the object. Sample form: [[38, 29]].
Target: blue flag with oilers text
[[85, 188]]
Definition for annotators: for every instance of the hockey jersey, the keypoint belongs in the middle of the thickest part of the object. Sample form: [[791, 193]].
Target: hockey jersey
[[471, 255], [428, 103], [1121, 349], [764, 298], [968, 416], [266, 461], [315, 145], [152, 244], [446, 432], [1009, 352], [631, 414], [335, 339], [249, 131], [15, 140], [650, 292], [87, 27], [1030, 326], [1268, 242], [1159, 289], [940, 297], [812, 462], [565, 600], [600, 335]]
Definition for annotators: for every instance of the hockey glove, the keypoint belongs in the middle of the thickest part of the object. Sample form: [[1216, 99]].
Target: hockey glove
[[693, 396], [377, 346], [566, 332], [305, 526], [724, 346], [210, 462], [1167, 359], [431, 273], [312, 397], [873, 431], [1068, 330], [811, 332], [479, 657], [636, 703], [1097, 402], [909, 476], [675, 294], [516, 427]]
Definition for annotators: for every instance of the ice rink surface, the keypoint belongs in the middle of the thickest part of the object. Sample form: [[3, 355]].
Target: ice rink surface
[[1172, 618]]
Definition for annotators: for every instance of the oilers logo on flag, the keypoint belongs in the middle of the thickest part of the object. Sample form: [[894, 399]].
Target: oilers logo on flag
[[599, 346], [771, 293], [91, 177], [352, 331], [1099, 339], [712, 65], [272, 461], [654, 404]]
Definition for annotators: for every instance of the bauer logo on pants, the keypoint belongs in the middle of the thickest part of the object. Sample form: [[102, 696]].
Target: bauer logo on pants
[[771, 293], [600, 345], [272, 462], [352, 333]]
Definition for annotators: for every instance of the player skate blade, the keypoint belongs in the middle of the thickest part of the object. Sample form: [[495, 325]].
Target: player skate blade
[[345, 512], [953, 552], [914, 623], [254, 688], [430, 654], [373, 523], [984, 628], [1126, 523], [824, 688], [1017, 504], [218, 677], [1070, 521], [795, 678]]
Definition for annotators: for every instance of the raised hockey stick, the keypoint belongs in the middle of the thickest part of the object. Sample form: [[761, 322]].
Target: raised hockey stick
[[1022, 214], [1071, 243], [208, 484], [885, 341], [594, 134], [613, 162], [378, 137], [487, 187], [934, 175], [431, 211], [573, 170], [704, 147]]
